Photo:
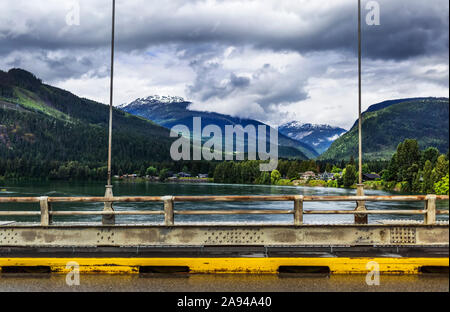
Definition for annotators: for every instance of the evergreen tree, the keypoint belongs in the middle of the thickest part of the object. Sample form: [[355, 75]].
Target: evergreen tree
[[430, 154], [163, 175], [352, 161], [349, 176], [294, 170], [428, 178], [442, 167]]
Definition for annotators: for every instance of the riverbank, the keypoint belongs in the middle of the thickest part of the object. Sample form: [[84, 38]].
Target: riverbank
[[168, 180], [368, 185]]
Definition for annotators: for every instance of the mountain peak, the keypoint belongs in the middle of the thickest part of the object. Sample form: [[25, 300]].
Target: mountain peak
[[165, 99], [320, 136], [157, 99], [300, 125], [154, 101], [172, 111]]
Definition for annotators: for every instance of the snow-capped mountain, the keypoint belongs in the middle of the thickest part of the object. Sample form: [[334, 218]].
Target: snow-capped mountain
[[155, 100], [170, 111], [318, 136]]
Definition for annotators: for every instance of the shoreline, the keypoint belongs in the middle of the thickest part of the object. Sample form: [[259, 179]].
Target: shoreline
[[368, 185], [168, 180]]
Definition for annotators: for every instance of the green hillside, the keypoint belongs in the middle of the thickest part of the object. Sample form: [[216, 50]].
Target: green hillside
[[385, 126], [41, 125]]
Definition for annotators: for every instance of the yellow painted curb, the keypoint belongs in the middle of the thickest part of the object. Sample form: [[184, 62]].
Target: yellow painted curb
[[230, 265]]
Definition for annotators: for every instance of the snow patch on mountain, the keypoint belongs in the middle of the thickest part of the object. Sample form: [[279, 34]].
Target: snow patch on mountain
[[321, 136], [155, 100]]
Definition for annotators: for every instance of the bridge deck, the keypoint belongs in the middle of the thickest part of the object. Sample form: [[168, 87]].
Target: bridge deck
[[395, 246]]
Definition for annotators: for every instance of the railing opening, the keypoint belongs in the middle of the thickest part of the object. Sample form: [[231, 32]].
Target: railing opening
[[164, 270], [304, 270], [26, 270], [434, 270]]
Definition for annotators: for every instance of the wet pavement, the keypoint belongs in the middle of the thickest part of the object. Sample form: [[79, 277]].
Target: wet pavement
[[222, 283]]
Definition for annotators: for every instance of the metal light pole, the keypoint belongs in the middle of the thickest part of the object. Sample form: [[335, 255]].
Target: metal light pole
[[360, 219], [110, 219]]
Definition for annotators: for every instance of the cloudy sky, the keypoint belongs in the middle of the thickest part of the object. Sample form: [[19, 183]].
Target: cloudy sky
[[272, 60]]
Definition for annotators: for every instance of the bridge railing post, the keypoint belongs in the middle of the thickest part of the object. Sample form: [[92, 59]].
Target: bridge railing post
[[46, 218], [430, 206], [361, 206], [108, 206], [298, 210], [168, 210]]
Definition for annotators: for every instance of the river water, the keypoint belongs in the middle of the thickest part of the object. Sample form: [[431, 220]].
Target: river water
[[55, 189]]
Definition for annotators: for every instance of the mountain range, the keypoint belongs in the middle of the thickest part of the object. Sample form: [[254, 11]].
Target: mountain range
[[318, 136], [172, 111], [42, 123]]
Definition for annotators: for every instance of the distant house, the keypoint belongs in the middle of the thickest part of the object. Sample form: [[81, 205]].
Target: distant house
[[308, 175], [326, 176], [203, 175], [371, 176], [183, 175]]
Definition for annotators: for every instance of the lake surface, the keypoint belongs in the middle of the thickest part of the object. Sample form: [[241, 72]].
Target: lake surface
[[55, 189]]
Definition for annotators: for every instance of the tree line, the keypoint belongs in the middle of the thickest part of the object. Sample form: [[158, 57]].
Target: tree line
[[419, 171], [410, 170], [415, 171]]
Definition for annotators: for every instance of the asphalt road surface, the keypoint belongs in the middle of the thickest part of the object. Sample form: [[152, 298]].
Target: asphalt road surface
[[222, 283]]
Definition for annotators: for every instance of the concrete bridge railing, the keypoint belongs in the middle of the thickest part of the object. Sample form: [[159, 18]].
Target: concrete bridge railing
[[46, 213]]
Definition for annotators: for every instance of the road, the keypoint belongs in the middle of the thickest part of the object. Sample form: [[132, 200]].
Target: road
[[222, 283]]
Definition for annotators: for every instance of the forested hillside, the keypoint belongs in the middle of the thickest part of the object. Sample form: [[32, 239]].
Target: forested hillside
[[387, 124], [44, 130]]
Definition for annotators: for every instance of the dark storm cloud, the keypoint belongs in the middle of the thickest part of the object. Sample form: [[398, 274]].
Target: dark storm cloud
[[408, 27], [54, 66], [307, 46], [239, 82], [209, 85]]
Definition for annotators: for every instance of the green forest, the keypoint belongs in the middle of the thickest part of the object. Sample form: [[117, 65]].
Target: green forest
[[387, 124], [49, 133], [410, 170]]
